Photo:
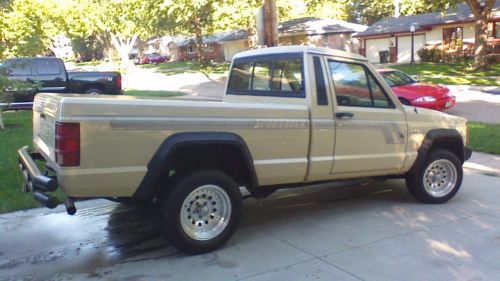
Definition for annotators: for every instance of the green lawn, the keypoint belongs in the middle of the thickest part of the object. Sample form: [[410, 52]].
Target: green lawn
[[16, 134], [484, 137], [176, 67], [452, 74]]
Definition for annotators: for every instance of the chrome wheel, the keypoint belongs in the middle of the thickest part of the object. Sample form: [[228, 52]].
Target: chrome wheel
[[440, 178], [205, 212]]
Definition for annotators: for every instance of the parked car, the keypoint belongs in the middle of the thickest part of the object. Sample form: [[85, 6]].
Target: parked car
[[280, 124], [153, 58], [50, 75], [412, 92]]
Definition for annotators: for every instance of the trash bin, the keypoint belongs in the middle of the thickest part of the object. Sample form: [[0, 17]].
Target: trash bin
[[384, 56]]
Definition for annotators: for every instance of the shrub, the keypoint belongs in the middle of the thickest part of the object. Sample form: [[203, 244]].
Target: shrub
[[430, 55]]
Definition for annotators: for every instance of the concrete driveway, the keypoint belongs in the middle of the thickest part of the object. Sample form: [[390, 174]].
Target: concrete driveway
[[368, 231]]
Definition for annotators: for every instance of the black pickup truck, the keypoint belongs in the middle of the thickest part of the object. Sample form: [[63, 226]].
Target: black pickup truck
[[50, 75]]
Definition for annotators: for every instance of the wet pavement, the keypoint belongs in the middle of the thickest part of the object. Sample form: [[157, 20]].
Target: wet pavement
[[367, 231]]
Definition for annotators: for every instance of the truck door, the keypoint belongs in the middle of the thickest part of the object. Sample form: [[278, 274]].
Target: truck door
[[51, 75], [370, 130], [21, 69], [322, 121]]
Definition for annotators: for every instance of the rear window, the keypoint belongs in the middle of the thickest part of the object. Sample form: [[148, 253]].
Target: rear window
[[280, 76], [18, 67]]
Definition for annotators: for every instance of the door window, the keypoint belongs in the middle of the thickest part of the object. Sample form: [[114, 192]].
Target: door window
[[356, 86], [18, 67], [48, 67]]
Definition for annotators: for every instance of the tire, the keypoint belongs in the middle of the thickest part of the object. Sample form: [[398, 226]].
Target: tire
[[438, 179], [201, 212], [94, 91]]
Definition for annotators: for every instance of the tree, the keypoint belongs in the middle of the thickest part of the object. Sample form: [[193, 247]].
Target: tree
[[482, 14]]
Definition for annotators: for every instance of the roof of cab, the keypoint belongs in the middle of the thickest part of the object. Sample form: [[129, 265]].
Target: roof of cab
[[299, 49]]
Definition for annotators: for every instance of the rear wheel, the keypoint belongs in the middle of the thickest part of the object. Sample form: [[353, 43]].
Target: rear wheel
[[94, 91], [438, 179], [201, 212]]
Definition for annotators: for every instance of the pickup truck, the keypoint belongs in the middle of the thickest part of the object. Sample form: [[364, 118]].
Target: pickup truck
[[290, 116], [50, 75]]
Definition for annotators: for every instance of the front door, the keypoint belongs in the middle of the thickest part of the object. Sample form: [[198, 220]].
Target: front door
[[370, 130]]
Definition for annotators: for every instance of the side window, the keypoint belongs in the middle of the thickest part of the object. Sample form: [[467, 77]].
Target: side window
[[356, 86], [48, 67], [281, 77], [351, 85], [18, 67], [379, 97]]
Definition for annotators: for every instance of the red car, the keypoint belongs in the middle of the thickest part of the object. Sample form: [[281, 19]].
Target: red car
[[411, 92], [153, 58]]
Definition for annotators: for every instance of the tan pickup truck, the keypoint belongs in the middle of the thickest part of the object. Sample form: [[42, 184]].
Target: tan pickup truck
[[290, 116]]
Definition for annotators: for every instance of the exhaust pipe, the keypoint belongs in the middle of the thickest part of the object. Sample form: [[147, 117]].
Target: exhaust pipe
[[70, 206], [48, 201]]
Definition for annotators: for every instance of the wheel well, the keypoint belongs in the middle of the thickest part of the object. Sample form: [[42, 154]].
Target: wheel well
[[94, 86], [453, 145], [226, 158]]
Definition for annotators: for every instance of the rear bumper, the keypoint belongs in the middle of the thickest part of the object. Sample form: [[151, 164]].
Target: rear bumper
[[40, 183]]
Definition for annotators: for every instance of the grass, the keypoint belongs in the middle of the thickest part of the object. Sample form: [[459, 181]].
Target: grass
[[17, 133], [142, 93], [452, 74], [484, 137], [176, 67]]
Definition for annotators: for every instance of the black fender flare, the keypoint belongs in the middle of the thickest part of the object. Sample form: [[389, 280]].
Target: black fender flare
[[161, 160], [430, 138]]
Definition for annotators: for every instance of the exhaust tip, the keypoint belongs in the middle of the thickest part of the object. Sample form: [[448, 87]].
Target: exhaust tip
[[70, 206]]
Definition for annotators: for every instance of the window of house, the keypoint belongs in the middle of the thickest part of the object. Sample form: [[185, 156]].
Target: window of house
[[210, 47], [452, 37], [496, 29], [272, 76], [190, 49], [356, 86]]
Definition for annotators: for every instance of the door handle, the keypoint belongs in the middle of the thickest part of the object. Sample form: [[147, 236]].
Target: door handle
[[344, 115]]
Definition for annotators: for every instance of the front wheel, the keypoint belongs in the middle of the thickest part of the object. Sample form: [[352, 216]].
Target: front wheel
[[438, 179], [201, 212]]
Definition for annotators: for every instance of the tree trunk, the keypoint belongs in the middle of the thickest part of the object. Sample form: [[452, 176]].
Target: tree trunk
[[481, 40], [252, 40], [123, 47], [199, 41], [271, 23], [482, 13]]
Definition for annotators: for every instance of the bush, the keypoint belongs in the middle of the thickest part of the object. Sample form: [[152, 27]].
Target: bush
[[430, 55]]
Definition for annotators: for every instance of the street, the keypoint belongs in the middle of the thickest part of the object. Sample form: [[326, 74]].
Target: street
[[367, 231]]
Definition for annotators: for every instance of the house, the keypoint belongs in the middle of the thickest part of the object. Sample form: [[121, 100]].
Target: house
[[389, 40], [234, 42], [327, 33], [185, 48]]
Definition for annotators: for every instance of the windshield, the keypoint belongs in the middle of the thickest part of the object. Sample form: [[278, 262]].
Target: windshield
[[397, 78]]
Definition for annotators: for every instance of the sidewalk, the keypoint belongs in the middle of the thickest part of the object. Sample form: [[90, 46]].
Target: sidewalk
[[484, 163]]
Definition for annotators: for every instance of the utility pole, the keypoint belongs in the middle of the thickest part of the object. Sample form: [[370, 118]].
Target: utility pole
[[271, 38]]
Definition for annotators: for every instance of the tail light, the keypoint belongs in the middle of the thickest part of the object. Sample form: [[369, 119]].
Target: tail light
[[119, 82], [68, 144]]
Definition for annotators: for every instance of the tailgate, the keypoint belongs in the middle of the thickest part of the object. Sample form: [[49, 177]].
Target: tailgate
[[44, 122]]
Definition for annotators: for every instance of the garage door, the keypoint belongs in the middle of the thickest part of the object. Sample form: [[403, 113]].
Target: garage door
[[374, 46], [404, 47]]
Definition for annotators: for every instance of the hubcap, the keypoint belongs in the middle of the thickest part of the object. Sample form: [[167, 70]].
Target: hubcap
[[440, 178], [205, 212]]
